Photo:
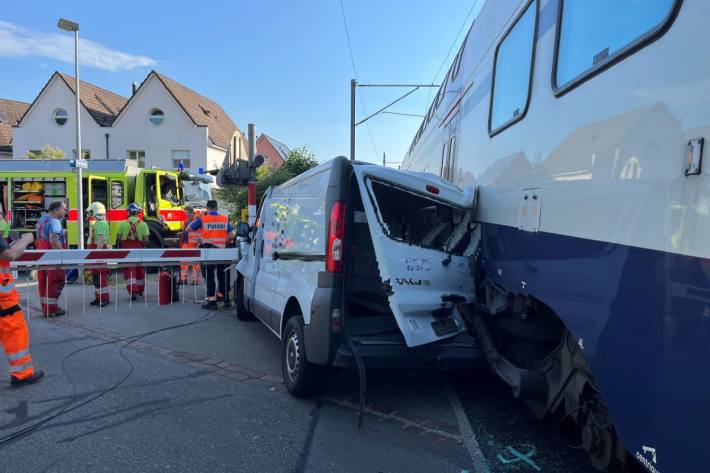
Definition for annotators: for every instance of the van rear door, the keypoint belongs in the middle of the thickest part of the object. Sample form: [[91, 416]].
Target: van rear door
[[423, 232]]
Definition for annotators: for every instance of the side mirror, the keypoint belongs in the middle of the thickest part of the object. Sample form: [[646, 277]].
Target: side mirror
[[243, 230]]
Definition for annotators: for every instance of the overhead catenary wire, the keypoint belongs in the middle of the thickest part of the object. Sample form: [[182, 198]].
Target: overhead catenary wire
[[352, 63], [451, 48]]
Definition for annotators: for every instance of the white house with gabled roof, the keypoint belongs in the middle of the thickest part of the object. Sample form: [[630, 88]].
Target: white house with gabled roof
[[162, 124]]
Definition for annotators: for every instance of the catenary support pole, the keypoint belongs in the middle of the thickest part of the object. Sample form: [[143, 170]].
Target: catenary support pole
[[353, 87]]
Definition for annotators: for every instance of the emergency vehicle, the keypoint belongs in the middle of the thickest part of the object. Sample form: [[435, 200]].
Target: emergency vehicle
[[29, 186]]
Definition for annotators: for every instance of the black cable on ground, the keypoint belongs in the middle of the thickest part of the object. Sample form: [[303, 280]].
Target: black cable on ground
[[4, 440], [363, 378]]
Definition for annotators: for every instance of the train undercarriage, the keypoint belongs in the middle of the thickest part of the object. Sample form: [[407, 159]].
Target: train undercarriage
[[530, 349]]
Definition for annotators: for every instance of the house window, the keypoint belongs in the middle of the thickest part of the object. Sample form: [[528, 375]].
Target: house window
[[181, 156], [593, 35], [85, 153], [512, 72], [60, 116], [156, 116], [138, 156]]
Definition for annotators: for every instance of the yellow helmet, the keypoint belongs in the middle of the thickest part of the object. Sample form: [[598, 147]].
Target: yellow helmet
[[96, 208]]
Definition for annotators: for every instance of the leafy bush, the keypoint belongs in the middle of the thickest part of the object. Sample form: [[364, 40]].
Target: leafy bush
[[298, 161]]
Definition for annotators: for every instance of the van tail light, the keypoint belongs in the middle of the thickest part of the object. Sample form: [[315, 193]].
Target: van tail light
[[432, 189], [336, 233]]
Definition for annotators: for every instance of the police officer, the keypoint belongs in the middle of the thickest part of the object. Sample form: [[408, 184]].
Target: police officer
[[50, 236], [133, 233], [14, 334], [215, 232]]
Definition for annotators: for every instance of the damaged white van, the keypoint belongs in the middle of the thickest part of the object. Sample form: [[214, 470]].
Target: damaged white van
[[356, 263]]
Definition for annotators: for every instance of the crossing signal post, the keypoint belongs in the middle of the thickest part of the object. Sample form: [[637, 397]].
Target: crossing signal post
[[243, 173]]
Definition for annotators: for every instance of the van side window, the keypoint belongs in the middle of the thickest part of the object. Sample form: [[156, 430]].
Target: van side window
[[512, 72], [594, 35], [296, 218]]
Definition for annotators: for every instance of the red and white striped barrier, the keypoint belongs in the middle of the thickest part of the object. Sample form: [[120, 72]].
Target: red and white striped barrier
[[138, 257]]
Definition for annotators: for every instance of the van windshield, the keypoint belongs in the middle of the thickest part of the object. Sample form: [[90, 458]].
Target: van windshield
[[417, 220]]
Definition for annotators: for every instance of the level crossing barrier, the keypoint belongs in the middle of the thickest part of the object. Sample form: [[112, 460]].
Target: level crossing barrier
[[168, 258], [67, 259]]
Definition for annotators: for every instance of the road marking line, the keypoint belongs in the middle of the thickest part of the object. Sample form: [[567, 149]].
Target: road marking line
[[467, 435]]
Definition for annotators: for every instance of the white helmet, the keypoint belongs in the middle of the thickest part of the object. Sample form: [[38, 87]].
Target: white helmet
[[96, 208]]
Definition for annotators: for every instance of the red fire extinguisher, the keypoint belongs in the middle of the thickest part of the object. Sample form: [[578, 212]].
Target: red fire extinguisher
[[167, 288]]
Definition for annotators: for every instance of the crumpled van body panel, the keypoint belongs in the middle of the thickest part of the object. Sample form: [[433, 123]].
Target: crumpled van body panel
[[420, 227]]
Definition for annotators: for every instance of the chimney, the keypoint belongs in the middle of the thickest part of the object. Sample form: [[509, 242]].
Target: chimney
[[134, 87]]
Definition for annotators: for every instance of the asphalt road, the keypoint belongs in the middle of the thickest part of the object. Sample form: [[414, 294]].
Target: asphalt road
[[208, 396]]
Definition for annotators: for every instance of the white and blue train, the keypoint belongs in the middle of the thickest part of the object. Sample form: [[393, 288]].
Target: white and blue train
[[582, 124]]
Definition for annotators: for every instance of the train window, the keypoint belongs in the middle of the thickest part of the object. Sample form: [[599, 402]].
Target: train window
[[593, 36], [512, 72]]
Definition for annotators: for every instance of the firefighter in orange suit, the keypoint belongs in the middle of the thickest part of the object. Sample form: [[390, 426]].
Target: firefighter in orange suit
[[190, 239], [14, 334], [98, 239], [215, 231]]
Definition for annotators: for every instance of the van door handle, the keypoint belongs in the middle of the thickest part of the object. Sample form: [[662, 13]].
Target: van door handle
[[275, 255]]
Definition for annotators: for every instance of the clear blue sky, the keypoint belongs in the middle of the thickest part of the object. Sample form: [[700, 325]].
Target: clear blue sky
[[282, 65]]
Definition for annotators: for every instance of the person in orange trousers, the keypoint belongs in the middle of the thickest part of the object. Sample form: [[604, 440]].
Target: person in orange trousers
[[14, 334], [190, 239]]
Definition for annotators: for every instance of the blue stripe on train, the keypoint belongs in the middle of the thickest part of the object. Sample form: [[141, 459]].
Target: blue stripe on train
[[644, 318]]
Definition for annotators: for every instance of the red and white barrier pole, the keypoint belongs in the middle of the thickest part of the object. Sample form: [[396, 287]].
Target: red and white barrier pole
[[251, 202]]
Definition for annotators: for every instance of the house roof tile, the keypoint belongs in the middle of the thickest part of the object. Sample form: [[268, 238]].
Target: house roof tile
[[202, 111], [103, 105], [10, 113]]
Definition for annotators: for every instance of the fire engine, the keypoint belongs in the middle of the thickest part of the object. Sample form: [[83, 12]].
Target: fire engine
[[29, 186]]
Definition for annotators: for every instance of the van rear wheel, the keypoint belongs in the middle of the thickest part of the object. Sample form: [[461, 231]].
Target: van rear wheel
[[302, 378], [239, 306]]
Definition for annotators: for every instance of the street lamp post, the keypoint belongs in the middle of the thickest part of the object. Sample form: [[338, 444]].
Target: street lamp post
[[71, 26]]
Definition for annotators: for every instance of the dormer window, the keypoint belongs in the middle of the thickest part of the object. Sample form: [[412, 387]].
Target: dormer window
[[60, 116], [156, 116]]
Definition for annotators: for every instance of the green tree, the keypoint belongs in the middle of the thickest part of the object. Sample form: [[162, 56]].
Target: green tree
[[298, 161], [47, 152]]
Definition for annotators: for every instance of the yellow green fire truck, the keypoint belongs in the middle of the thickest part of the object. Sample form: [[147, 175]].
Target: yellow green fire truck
[[28, 187]]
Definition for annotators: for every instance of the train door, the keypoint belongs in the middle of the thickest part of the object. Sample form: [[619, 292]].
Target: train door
[[450, 148]]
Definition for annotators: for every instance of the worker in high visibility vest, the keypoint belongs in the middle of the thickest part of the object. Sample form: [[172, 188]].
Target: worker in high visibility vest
[[133, 233], [14, 334], [50, 236], [215, 231], [98, 239], [190, 240]]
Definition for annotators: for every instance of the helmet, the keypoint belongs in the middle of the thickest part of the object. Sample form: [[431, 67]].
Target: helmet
[[96, 208], [134, 208]]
